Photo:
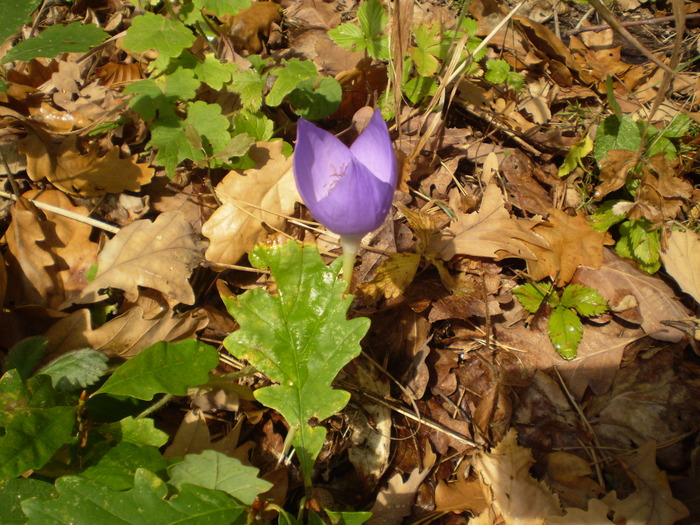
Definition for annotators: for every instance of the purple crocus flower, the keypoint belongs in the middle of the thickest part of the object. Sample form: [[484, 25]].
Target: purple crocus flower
[[348, 190]]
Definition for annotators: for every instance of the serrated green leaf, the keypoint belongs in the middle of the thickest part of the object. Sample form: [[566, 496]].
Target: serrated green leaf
[[14, 491], [565, 331], [604, 217], [36, 422], [213, 72], [299, 339], [164, 367], [418, 88], [25, 355], [14, 15], [373, 19], [616, 133], [288, 78], [577, 152], [57, 39], [249, 85], [531, 295], [349, 36], [585, 300], [168, 135], [678, 127], [315, 99], [214, 470], [76, 370], [645, 241], [150, 31], [210, 124], [257, 125], [497, 71], [81, 502], [181, 84], [116, 469], [426, 63]]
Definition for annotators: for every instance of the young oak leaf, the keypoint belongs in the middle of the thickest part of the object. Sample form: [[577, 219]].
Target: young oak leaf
[[299, 339]]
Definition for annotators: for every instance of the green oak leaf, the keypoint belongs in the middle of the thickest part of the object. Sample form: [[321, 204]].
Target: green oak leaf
[[585, 300], [565, 331], [116, 469], [35, 421], [136, 431], [57, 39], [82, 502], [14, 491], [150, 31], [164, 367], [214, 470], [299, 338]]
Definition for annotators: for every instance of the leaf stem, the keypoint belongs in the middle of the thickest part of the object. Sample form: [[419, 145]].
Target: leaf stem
[[350, 245]]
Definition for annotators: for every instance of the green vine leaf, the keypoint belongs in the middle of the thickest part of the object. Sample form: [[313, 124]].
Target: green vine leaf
[[300, 338], [151, 31]]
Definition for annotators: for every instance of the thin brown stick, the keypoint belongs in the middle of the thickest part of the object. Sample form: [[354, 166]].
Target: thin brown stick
[[630, 23]]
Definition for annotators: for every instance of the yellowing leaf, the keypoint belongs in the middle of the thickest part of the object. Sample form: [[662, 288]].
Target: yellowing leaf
[[262, 194], [86, 174], [575, 154], [489, 232], [393, 276], [158, 255], [516, 494], [681, 259]]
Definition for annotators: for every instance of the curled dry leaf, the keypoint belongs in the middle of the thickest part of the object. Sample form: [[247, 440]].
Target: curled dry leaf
[[489, 232], [125, 335], [263, 194], [573, 243], [655, 300], [614, 169], [661, 193], [86, 174], [681, 258], [158, 255]]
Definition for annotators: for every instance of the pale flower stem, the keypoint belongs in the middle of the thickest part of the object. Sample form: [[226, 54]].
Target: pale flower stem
[[350, 245]]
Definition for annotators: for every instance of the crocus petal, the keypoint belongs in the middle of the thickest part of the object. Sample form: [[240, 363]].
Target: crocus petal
[[317, 156], [358, 203], [373, 148]]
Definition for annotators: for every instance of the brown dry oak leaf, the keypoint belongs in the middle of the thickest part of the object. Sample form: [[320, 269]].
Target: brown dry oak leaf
[[517, 496], [158, 255], [263, 194], [573, 243], [681, 258], [86, 174], [124, 336], [489, 232], [622, 283]]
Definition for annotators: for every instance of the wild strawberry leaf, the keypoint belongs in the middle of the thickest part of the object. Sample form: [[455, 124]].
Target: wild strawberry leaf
[[565, 331], [585, 300], [531, 295], [300, 338], [163, 368]]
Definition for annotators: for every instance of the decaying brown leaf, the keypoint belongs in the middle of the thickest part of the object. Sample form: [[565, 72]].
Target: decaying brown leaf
[[655, 300], [489, 232], [392, 277], [573, 243], [82, 174], [125, 335], [614, 169], [653, 502], [158, 255], [681, 258], [661, 193], [263, 194], [517, 496]]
